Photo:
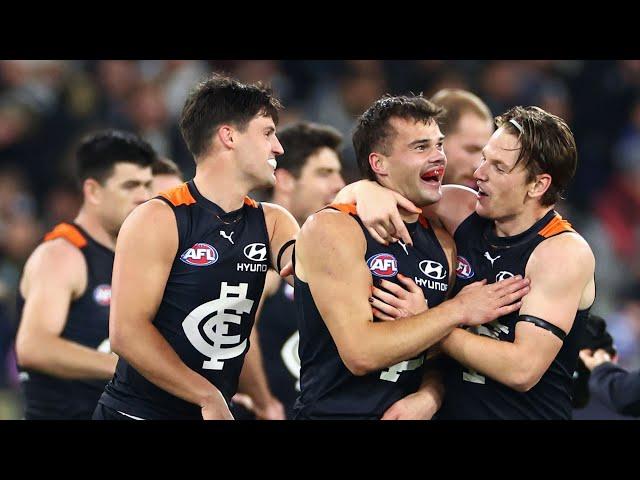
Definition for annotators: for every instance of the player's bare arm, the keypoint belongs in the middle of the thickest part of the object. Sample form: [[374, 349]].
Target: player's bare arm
[[340, 283], [378, 208], [561, 270], [147, 245], [54, 276], [282, 228]]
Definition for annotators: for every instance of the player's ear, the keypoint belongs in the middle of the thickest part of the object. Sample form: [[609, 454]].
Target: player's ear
[[540, 185], [378, 163], [92, 191], [226, 135]]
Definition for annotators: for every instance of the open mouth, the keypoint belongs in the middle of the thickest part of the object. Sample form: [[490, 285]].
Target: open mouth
[[433, 176], [273, 163], [482, 193]]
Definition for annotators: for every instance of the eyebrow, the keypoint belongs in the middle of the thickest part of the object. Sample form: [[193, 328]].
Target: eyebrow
[[426, 140], [270, 129]]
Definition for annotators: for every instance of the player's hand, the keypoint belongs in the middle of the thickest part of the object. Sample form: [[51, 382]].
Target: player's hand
[[592, 359], [272, 410], [395, 301], [378, 208], [215, 408], [417, 406], [481, 303]]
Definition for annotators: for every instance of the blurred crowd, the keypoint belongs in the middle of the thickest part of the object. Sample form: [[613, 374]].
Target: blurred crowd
[[46, 106]]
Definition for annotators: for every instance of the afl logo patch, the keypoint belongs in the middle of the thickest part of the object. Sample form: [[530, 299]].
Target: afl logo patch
[[383, 265], [200, 255], [102, 295], [464, 269]]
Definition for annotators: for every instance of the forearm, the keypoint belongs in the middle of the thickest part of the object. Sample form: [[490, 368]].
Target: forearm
[[493, 358], [616, 388], [253, 380], [432, 388], [391, 342], [63, 358], [149, 353]]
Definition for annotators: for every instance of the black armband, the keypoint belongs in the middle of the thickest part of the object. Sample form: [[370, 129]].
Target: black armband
[[543, 324], [282, 249]]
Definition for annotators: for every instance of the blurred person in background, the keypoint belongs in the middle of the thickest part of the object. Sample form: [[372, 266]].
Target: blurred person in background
[[467, 125], [166, 175], [64, 295]]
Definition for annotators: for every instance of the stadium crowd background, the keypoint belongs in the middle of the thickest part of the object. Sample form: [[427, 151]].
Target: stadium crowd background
[[46, 106]]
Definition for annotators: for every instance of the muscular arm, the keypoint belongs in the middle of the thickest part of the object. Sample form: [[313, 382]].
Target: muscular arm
[[553, 297], [147, 244], [54, 276], [330, 253], [282, 227]]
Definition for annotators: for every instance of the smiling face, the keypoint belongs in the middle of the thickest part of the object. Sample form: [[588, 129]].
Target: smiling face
[[256, 150], [414, 163], [503, 185]]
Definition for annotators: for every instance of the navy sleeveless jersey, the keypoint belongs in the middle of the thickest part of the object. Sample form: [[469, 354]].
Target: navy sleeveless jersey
[[209, 303], [49, 397], [278, 330], [470, 395], [328, 388]]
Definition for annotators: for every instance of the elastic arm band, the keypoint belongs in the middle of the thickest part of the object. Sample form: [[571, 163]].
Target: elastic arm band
[[538, 322], [282, 249]]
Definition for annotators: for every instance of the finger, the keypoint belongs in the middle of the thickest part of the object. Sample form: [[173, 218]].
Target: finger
[[387, 298], [407, 204], [506, 310], [381, 316], [507, 289], [384, 307], [512, 297], [390, 414], [375, 236], [400, 228], [394, 288], [409, 284], [477, 284], [507, 282], [382, 232], [585, 355]]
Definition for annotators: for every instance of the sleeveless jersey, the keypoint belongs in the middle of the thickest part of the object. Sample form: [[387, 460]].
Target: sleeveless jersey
[[470, 395], [49, 397], [328, 388], [209, 303]]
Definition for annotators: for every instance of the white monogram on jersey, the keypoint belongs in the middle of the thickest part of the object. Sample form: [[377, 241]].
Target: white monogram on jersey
[[216, 327]]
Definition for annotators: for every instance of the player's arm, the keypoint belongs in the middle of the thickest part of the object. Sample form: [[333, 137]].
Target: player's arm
[[147, 245], [282, 228], [54, 276], [330, 258], [421, 405], [378, 208], [253, 380], [560, 269]]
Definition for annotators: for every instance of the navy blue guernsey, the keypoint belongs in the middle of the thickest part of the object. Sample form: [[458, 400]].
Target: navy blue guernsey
[[470, 395], [278, 330], [209, 303], [328, 389], [53, 398]]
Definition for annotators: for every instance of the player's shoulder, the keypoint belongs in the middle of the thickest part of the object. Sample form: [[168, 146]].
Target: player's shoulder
[[56, 256], [565, 252], [177, 196], [329, 225], [154, 213]]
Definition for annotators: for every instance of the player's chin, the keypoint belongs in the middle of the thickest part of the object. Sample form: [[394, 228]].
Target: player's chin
[[427, 196]]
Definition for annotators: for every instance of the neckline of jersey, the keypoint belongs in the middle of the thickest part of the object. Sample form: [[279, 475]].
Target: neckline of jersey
[[208, 204], [531, 232], [93, 240]]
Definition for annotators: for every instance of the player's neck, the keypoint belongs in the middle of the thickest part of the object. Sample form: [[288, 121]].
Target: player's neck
[[91, 224], [516, 224], [218, 182]]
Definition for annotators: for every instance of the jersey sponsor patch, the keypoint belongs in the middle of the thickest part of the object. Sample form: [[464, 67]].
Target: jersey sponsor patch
[[256, 252], [433, 270], [383, 265], [200, 255], [464, 269], [102, 295], [503, 275]]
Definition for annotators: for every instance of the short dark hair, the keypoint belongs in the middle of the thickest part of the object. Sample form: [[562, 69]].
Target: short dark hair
[[374, 131], [100, 151], [221, 99], [300, 140], [546, 146], [457, 102], [164, 166]]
